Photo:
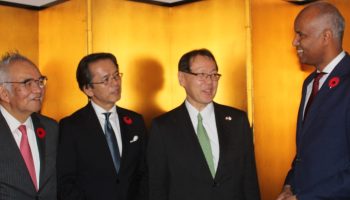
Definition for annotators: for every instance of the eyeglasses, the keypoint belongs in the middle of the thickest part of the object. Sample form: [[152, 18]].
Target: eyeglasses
[[29, 83], [108, 79], [204, 76]]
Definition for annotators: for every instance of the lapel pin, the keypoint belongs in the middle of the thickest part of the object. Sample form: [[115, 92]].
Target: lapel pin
[[333, 82], [228, 118], [134, 139]]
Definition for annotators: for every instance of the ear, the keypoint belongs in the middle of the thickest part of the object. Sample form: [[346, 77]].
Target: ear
[[88, 91], [4, 94], [181, 77], [327, 36]]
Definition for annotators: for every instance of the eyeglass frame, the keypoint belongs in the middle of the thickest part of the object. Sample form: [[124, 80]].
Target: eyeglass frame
[[116, 76], [28, 83], [204, 76]]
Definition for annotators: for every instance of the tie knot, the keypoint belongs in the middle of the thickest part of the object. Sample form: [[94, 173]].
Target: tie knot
[[107, 114], [200, 119], [319, 75], [23, 129]]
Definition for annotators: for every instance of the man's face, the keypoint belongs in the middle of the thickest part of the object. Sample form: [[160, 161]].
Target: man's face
[[21, 100], [107, 93], [199, 92], [309, 39]]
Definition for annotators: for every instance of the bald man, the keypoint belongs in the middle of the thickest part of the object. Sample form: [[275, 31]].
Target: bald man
[[321, 167]]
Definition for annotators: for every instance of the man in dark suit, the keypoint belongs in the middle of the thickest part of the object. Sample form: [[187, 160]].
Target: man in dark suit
[[321, 167], [101, 152], [28, 140], [201, 149]]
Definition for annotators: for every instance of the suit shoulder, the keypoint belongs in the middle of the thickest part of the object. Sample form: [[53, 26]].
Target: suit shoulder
[[127, 112], [168, 114], [76, 116], [229, 109], [47, 120]]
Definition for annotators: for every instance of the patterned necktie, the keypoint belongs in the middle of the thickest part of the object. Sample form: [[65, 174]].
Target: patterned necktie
[[315, 88], [205, 144], [112, 142], [27, 154]]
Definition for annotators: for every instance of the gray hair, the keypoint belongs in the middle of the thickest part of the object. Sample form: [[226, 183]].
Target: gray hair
[[6, 60]]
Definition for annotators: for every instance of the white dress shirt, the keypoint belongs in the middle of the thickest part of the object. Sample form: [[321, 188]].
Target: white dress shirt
[[13, 123], [113, 119], [327, 70], [209, 124]]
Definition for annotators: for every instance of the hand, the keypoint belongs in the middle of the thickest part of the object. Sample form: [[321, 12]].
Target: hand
[[286, 194], [291, 198]]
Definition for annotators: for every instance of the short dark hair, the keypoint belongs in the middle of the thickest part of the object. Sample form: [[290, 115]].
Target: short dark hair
[[186, 59], [83, 74]]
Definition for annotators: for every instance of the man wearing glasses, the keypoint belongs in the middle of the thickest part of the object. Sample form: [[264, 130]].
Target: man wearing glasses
[[101, 152], [28, 140], [201, 149]]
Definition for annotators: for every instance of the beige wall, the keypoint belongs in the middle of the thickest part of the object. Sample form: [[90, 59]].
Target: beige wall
[[62, 43], [148, 41], [19, 31]]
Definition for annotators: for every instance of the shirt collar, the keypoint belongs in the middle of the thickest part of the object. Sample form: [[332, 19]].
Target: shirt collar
[[99, 110], [329, 68], [13, 123], [205, 112]]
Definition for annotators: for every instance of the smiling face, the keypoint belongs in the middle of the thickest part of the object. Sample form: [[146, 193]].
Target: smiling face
[[104, 95], [199, 92], [19, 100], [309, 40]]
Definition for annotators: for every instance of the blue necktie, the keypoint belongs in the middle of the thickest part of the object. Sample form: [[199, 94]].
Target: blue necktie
[[112, 142]]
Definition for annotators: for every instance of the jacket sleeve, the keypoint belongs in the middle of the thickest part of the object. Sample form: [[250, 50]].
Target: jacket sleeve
[[157, 164], [67, 164], [251, 186]]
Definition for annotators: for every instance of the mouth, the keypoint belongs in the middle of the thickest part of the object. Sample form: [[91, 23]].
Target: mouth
[[207, 91], [300, 52]]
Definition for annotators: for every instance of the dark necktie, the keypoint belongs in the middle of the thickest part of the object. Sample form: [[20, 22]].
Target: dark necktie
[[315, 88], [112, 142]]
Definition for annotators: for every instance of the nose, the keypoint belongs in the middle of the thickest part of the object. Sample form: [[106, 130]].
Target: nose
[[296, 40]]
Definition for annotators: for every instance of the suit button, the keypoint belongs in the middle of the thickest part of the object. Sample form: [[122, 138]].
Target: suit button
[[215, 184], [298, 159], [117, 181]]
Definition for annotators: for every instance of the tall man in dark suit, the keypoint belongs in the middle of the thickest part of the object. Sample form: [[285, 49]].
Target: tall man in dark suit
[[101, 151], [201, 149], [321, 167], [28, 140]]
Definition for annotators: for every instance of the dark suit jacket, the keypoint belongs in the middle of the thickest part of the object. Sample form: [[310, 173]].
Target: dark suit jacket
[[321, 168], [85, 166], [15, 181], [177, 166]]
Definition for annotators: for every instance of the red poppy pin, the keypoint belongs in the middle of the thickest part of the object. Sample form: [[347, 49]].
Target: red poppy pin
[[333, 82], [40, 132], [127, 120]]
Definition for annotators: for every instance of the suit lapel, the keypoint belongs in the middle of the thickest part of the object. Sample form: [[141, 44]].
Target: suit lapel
[[300, 122], [8, 140], [223, 134], [125, 135], [193, 148], [96, 134], [40, 132], [339, 71]]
